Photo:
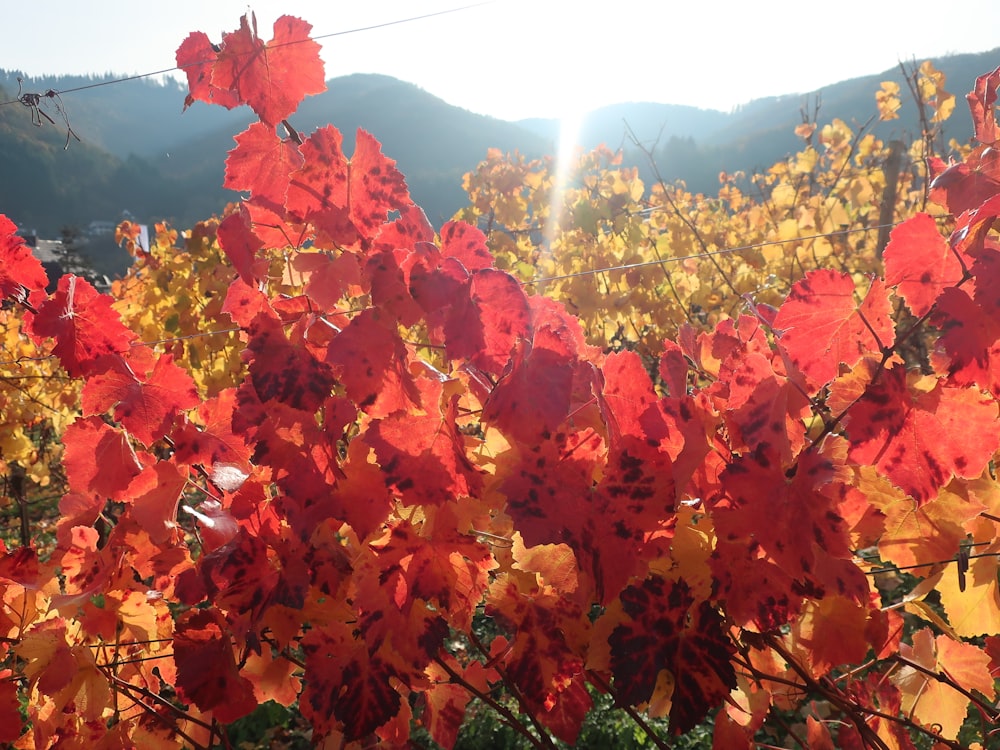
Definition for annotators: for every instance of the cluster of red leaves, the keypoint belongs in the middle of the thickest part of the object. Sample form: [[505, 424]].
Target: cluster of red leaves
[[352, 491]]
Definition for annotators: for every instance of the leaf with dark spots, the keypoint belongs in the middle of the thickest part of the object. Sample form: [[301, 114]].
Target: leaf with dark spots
[[920, 263], [370, 359], [330, 188], [667, 629], [285, 372], [206, 667], [968, 349], [426, 447], [485, 326], [920, 431], [466, 244], [389, 289], [346, 687], [804, 535], [261, 164], [545, 659]]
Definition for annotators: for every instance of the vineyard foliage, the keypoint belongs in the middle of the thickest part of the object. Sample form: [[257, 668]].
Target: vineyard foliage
[[724, 459]]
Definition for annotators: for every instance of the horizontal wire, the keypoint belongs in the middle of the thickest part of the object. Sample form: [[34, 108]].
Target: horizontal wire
[[270, 46]]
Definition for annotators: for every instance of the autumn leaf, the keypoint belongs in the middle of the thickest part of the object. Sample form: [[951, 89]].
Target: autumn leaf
[[968, 349], [83, 324], [981, 103], [261, 164], [273, 78], [423, 457], [99, 459], [20, 271], [370, 359], [899, 424], [668, 630], [824, 326], [545, 658], [934, 702], [145, 398], [920, 263], [11, 723], [346, 685], [285, 372], [207, 674], [346, 198], [973, 609]]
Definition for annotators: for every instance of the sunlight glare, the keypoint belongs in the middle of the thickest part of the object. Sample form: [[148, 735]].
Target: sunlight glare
[[566, 154]]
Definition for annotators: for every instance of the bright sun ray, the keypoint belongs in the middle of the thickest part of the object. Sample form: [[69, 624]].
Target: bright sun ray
[[566, 151]]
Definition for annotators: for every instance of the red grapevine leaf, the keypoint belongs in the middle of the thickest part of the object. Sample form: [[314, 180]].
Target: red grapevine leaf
[[20, 271], [467, 244], [824, 326], [196, 57], [272, 78], [83, 324], [670, 630], [318, 191], [921, 433], [550, 634], [965, 186], [969, 346], [215, 443], [283, 371], [763, 407], [981, 104], [345, 683], [673, 369], [445, 702], [533, 398], [154, 495], [329, 277], [804, 536], [449, 571], [342, 196], [377, 186], [241, 245], [261, 164], [98, 459], [423, 458], [206, 668], [549, 488], [371, 361], [920, 263], [409, 229], [485, 326], [389, 290], [145, 402], [11, 724], [361, 497]]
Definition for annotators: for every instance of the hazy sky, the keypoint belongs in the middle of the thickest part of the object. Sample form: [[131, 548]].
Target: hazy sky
[[523, 58]]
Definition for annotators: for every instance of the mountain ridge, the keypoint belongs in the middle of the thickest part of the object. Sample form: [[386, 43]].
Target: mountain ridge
[[143, 153]]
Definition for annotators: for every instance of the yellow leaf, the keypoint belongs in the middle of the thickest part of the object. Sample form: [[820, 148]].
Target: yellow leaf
[[976, 610], [929, 700], [888, 101]]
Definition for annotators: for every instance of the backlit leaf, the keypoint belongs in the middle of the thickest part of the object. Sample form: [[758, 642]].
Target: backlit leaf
[[823, 325]]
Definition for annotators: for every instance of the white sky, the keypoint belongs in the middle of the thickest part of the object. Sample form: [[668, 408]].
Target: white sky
[[532, 58]]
